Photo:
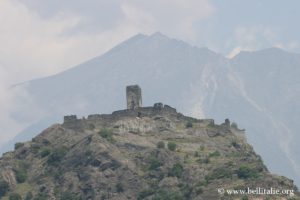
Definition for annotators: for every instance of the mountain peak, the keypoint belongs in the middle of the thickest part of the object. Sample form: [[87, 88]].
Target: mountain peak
[[158, 35], [270, 50]]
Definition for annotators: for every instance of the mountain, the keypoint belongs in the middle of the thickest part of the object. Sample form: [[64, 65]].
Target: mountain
[[146, 153], [258, 90]]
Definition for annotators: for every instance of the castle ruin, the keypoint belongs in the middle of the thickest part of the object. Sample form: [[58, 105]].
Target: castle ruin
[[134, 97], [134, 109]]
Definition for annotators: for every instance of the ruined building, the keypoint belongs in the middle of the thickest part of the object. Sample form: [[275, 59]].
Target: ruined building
[[134, 109], [134, 97]]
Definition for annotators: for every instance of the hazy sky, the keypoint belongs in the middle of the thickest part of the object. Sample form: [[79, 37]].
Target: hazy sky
[[43, 37]]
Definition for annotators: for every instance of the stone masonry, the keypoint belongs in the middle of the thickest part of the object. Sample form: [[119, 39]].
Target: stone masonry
[[134, 97]]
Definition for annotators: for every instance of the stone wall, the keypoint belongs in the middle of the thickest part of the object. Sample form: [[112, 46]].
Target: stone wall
[[158, 109]]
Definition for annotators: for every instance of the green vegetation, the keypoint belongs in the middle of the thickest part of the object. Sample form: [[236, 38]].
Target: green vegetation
[[168, 195], [21, 172], [214, 154], [45, 152], [29, 196], [172, 146], [189, 124], [154, 164], [18, 145], [15, 196], [219, 173], [196, 154], [199, 190], [4, 187], [41, 196], [160, 145], [119, 187], [202, 148], [69, 196], [202, 183], [186, 191], [107, 134], [35, 148], [56, 156], [235, 144], [21, 176], [145, 193], [205, 160], [245, 198], [57, 174], [245, 172], [176, 170]]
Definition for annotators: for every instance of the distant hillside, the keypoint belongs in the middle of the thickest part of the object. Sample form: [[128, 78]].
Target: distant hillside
[[258, 90], [147, 153]]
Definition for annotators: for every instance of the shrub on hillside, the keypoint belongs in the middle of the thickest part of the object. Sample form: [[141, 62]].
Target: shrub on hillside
[[172, 146], [119, 187], [214, 154], [21, 171], [4, 187], [18, 145], [160, 145], [176, 170], [145, 193], [56, 156], [29, 196], [189, 125], [15, 196], [21, 176], [45, 152], [107, 134], [154, 164], [69, 196], [245, 172]]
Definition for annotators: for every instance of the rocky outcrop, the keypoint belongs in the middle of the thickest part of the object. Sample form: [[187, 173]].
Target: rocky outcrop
[[144, 153]]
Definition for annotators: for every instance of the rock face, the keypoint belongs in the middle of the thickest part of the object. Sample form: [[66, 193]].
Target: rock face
[[142, 153]]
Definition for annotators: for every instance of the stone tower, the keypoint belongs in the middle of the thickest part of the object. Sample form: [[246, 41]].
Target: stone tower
[[134, 97]]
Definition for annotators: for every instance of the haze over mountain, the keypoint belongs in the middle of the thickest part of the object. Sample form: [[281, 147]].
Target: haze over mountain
[[258, 90]]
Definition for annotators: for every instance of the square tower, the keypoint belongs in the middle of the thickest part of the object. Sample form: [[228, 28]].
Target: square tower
[[134, 97]]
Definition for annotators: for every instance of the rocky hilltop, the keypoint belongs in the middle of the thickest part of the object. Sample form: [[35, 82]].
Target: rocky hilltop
[[143, 153]]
